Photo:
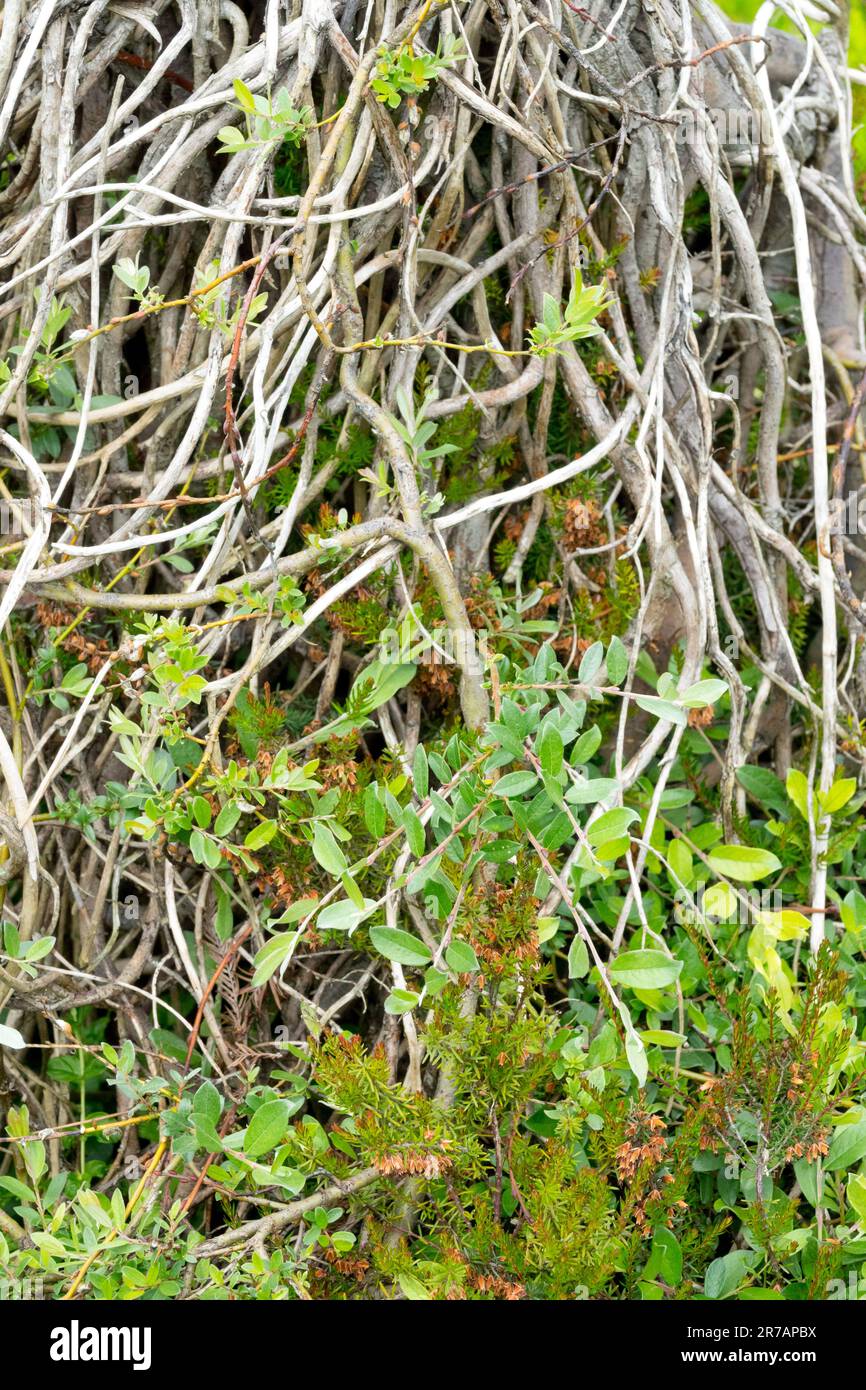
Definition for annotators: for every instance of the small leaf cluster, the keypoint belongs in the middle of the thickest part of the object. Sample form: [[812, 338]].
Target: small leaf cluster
[[268, 121], [409, 73], [577, 321]]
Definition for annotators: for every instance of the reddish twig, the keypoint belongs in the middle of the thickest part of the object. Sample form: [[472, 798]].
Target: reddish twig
[[170, 75], [209, 987]]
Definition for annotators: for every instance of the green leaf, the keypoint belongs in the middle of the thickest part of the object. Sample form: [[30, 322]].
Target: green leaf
[[857, 1196], [198, 847], [18, 1189], [617, 662], [593, 789], [206, 1102], [797, 788], [344, 915], [662, 709], [726, 1274], [296, 910], [90, 1203], [547, 927], [807, 1177], [681, 862], [590, 662], [261, 834], [499, 851], [354, 892], [666, 1258], [636, 1054], [413, 1288], [375, 816], [434, 981], [378, 682], [327, 851], [39, 948], [766, 788], [645, 969], [461, 958], [421, 772], [271, 956], [703, 693], [742, 863], [227, 819], [847, 1146], [578, 958], [720, 901], [135, 277], [244, 96], [401, 1001], [75, 676], [515, 784], [212, 857], [399, 946], [662, 1037], [550, 313], [854, 911], [839, 795], [232, 140], [611, 825], [587, 745], [414, 831], [550, 750], [268, 1128]]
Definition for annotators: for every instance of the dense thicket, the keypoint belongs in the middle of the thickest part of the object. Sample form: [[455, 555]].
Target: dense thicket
[[432, 655]]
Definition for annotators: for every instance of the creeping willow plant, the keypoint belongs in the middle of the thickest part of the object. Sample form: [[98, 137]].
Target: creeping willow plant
[[585, 304], [409, 73], [269, 120]]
